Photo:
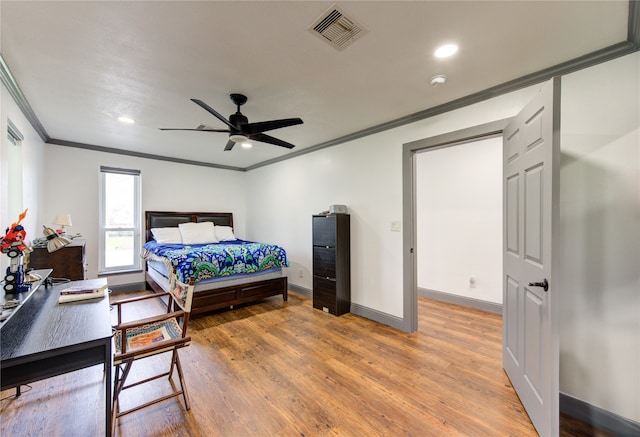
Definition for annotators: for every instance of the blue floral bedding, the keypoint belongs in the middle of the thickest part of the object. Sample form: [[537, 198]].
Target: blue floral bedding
[[206, 261]]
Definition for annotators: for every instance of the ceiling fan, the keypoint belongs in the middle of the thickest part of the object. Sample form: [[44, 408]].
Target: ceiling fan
[[240, 130]]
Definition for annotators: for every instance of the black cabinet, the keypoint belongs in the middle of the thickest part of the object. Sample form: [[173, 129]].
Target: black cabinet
[[332, 263]]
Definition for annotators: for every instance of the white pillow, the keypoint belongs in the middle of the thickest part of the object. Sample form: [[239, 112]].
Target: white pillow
[[225, 233], [167, 235], [197, 233]]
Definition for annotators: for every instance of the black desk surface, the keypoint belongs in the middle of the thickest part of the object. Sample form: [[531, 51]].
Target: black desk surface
[[23, 296], [43, 325]]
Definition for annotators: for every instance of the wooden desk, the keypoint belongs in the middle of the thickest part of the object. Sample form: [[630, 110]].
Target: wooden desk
[[46, 339]]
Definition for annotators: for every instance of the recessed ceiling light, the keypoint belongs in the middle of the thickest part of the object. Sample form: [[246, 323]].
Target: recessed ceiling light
[[446, 50], [126, 120]]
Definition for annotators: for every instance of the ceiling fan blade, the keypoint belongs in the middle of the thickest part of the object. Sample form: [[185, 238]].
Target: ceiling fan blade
[[229, 145], [198, 130], [212, 111], [263, 138], [262, 126]]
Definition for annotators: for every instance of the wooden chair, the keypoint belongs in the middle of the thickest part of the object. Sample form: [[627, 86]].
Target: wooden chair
[[149, 337]]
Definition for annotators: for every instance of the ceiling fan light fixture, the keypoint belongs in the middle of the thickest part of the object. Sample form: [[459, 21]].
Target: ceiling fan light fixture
[[246, 145], [238, 138]]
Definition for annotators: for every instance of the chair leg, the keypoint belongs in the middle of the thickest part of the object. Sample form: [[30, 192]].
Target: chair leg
[[182, 383], [118, 385], [174, 356]]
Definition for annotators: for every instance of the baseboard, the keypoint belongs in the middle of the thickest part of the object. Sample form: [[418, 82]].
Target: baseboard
[[597, 417], [301, 290], [358, 310], [461, 300], [378, 316]]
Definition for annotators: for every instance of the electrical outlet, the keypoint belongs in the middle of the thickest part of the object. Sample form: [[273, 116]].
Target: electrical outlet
[[472, 281], [395, 226], [300, 273]]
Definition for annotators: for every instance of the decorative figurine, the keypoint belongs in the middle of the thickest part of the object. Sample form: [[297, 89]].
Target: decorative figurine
[[13, 245]]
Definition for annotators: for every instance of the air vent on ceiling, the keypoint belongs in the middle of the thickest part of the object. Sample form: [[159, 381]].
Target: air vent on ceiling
[[336, 28]]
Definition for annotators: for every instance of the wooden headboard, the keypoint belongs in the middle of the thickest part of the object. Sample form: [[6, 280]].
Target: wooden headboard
[[169, 219]]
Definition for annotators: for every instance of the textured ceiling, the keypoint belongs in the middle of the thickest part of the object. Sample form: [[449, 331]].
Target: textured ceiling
[[82, 64]]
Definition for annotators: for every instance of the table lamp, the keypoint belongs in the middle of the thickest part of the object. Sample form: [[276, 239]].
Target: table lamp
[[54, 241], [62, 220]]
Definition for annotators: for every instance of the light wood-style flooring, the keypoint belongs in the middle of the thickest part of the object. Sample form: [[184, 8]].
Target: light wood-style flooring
[[286, 369]]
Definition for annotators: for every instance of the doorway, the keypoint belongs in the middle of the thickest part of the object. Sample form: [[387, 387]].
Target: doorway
[[458, 207], [410, 265], [530, 205]]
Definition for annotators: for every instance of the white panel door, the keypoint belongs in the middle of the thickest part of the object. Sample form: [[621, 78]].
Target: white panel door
[[531, 182]]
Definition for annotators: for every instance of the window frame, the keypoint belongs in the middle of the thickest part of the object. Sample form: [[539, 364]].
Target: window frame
[[137, 225]]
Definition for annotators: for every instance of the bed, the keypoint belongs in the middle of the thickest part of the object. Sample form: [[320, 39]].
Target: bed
[[209, 293]]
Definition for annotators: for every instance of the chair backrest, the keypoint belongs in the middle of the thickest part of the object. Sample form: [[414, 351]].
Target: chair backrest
[[182, 294]]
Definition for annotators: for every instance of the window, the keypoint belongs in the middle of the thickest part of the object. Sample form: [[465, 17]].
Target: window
[[120, 220]]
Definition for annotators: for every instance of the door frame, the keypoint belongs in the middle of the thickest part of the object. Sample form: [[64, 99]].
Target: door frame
[[409, 243]]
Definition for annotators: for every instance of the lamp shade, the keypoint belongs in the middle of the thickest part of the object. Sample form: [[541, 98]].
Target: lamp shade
[[54, 241], [62, 220]]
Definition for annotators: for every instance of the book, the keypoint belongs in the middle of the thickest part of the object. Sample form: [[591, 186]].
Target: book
[[81, 292]]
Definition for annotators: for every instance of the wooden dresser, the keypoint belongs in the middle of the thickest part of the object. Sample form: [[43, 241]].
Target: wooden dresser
[[332, 263], [68, 262]]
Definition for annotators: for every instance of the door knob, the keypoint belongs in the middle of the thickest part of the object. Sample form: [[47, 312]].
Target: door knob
[[544, 284]]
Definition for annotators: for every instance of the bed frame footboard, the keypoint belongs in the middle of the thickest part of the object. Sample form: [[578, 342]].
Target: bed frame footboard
[[208, 300]]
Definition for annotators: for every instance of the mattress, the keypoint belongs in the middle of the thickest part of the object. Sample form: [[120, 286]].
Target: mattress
[[158, 272]]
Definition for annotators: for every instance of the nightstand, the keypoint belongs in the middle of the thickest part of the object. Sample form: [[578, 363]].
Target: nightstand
[[68, 262]]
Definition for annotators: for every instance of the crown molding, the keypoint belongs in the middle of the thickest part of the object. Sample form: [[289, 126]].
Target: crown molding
[[14, 89], [103, 149]]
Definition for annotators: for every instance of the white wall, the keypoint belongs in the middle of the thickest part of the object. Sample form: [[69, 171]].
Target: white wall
[[366, 175], [459, 219], [33, 162], [600, 222], [166, 186]]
